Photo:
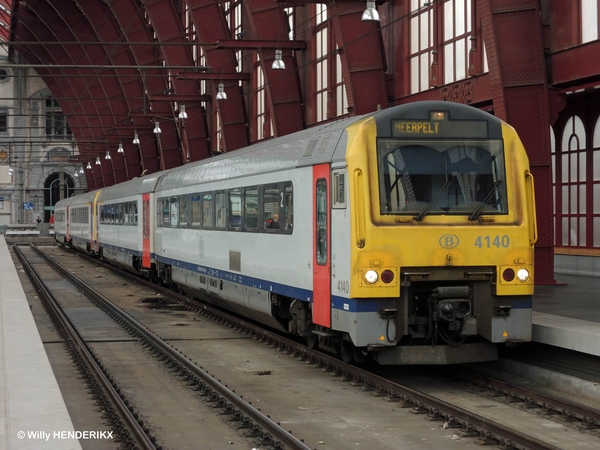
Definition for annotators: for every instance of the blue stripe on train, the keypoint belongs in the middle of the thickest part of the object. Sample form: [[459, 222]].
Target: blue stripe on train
[[341, 303]]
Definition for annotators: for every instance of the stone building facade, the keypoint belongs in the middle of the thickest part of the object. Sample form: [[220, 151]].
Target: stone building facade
[[37, 148]]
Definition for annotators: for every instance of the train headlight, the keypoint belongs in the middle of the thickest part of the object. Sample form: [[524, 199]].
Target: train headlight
[[523, 275], [371, 276]]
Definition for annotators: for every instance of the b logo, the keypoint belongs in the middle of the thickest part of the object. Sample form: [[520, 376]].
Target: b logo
[[449, 241]]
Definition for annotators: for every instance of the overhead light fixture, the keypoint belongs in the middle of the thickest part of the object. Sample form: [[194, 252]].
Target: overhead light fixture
[[278, 63], [81, 170], [120, 149], [76, 174], [98, 161], [136, 139], [182, 113], [371, 12], [157, 129], [89, 166], [107, 156], [221, 95]]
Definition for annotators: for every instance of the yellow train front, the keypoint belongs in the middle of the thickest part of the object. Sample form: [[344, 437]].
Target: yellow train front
[[442, 228]]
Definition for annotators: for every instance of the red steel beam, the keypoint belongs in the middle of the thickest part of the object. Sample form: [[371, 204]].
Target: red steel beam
[[259, 44], [362, 55], [213, 76], [268, 20], [521, 98], [211, 25], [167, 25], [574, 65]]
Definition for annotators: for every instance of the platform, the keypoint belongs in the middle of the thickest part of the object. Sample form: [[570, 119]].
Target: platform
[[31, 403], [567, 315]]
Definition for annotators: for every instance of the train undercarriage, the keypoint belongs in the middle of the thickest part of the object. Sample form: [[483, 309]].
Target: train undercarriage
[[431, 323]]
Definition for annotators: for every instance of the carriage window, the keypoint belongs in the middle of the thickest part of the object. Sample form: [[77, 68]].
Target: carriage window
[[196, 217], [183, 211], [207, 211], [165, 217], [135, 213], [251, 209], [235, 209], [288, 208], [442, 177], [221, 210], [321, 225], [272, 198], [174, 211]]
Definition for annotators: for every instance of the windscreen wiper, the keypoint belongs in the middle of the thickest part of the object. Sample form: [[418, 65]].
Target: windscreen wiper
[[475, 214], [425, 210]]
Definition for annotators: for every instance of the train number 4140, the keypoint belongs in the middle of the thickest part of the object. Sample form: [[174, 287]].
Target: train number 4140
[[492, 241]]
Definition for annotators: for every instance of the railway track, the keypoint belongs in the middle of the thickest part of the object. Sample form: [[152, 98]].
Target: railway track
[[570, 411], [462, 421], [121, 415], [125, 420]]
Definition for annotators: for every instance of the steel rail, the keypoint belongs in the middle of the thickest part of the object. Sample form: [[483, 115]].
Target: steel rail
[[272, 428], [136, 430], [588, 415], [486, 428]]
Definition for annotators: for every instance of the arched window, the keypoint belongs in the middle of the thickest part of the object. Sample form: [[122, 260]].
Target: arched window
[[596, 184], [52, 192], [553, 158], [572, 167]]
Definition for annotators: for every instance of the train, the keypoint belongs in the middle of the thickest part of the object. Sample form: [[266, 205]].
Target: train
[[404, 236]]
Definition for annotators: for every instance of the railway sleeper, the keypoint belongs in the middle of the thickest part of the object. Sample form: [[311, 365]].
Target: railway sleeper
[[487, 439]]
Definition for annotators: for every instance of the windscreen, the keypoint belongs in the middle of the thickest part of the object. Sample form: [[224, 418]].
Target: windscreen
[[423, 178]]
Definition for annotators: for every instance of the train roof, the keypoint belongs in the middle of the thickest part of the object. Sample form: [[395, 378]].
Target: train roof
[[76, 200], [304, 148], [318, 145], [136, 186], [64, 202]]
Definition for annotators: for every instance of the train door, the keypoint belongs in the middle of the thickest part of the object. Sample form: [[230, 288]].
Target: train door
[[90, 218], [146, 231], [95, 244], [321, 314]]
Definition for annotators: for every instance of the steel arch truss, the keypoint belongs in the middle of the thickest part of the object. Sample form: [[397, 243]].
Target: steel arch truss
[[118, 67]]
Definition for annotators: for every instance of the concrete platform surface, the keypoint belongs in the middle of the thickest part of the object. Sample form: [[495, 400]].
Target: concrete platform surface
[[33, 414], [567, 315]]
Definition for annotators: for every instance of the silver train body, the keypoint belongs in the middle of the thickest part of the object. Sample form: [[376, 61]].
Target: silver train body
[[293, 233]]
